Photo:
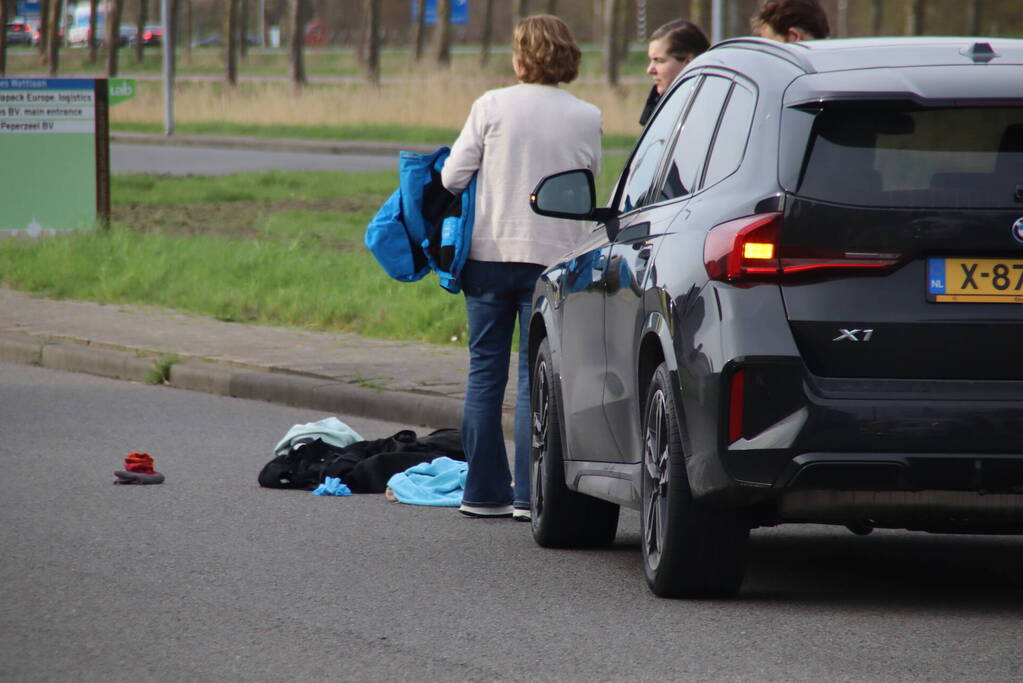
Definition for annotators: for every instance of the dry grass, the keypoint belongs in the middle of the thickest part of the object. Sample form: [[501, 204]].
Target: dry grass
[[431, 100]]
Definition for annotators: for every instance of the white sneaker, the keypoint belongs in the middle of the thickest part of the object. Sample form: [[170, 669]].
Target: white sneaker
[[521, 515], [485, 510]]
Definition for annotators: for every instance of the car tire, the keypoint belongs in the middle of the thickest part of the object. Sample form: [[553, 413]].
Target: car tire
[[690, 550], [560, 517]]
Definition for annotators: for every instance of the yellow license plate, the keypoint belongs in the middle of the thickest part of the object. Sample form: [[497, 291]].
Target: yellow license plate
[[990, 280]]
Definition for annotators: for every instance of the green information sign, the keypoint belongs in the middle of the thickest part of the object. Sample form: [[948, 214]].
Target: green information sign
[[120, 89], [54, 144]]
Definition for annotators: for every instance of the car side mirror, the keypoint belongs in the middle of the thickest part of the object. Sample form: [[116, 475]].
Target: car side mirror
[[569, 194]]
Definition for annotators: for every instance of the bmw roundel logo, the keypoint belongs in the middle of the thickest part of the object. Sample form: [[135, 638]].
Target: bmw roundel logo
[[1017, 230]]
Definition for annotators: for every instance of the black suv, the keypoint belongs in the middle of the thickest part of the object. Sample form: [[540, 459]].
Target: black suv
[[804, 303]]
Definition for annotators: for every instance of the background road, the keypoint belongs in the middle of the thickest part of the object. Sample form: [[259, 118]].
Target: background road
[[173, 160], [209, 577]]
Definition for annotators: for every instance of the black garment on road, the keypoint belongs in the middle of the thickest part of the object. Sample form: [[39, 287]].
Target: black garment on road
[[364, 466]]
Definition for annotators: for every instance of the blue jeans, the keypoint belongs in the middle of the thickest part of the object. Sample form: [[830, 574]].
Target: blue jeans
[[495, 294]]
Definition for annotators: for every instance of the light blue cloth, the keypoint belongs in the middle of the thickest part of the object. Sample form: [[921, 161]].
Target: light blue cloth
[[438, 483], [330, 429], [332, 486]]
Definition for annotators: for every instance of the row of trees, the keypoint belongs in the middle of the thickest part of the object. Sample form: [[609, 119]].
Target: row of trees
[[369, 24]]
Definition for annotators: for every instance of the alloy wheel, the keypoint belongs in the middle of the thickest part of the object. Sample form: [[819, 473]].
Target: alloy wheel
[[655, 470], [541, 426]]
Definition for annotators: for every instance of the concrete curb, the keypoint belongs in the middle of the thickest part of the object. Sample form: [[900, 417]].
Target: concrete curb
[[317, 393], [273, 144]]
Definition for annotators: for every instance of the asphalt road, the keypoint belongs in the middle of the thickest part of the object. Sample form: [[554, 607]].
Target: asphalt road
[[129, 158], [209, 577]]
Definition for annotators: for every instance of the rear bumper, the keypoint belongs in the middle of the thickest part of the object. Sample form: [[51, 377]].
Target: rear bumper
[[935, 455], [980, 473], [936, 511]]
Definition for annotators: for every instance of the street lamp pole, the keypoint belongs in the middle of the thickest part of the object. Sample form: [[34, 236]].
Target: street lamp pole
[[168, 67]]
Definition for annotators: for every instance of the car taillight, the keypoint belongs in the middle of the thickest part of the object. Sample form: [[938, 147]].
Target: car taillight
[[148, 35], [748, 249]]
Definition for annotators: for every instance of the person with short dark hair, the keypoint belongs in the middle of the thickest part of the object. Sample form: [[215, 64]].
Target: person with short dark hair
[[513, 137], [789, 21], [671, 48]]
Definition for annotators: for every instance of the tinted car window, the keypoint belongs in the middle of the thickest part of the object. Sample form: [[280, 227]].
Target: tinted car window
[[694, 139], [879, 156], [650, 150], [730, 141]]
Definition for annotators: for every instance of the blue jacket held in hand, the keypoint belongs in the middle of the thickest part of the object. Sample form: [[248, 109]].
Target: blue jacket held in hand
[[423, 227]]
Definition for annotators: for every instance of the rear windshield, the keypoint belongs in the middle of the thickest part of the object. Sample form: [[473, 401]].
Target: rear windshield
[[911, 157]]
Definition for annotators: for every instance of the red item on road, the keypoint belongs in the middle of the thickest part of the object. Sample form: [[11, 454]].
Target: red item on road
[[139, 462]]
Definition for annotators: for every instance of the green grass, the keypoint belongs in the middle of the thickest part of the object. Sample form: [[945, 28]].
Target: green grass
[[251, 186], [276, 248]]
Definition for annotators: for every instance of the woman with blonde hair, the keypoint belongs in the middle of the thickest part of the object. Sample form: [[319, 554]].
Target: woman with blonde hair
[[512, 138]]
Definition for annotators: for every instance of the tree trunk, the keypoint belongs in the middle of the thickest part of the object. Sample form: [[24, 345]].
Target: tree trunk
[[974, 16], [113, 35], [624, 26], [916, 10], [231, 43], [243, 29], [696, 14], [44, 12], [140, 28], [877, 17], [520, 11], [188, 29], [611, 41], [53, 38], [91, 41], [486, 32], [419, 32], [842, 19], [371, 14], [297, 43], [3, 38], [442, 44]]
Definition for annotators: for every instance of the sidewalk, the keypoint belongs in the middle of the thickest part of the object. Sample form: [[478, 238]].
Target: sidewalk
[[415, 384]]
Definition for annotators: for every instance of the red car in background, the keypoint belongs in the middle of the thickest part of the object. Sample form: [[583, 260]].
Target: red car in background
[[19, 32]]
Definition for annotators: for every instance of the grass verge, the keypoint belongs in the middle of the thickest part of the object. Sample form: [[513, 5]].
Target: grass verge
[[275, 248]]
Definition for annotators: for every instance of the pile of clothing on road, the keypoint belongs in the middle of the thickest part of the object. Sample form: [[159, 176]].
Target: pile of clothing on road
[[329, 458]]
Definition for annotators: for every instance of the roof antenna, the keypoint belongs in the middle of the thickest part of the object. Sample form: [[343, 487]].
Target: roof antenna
[[980, 53]]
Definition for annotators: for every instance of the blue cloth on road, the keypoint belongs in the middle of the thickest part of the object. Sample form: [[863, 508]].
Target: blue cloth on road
[[438, 483], [331, 430], [332, 486]]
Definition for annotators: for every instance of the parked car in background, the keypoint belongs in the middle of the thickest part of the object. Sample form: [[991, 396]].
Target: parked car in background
[[803, 304], [19, 32], [151, 35]]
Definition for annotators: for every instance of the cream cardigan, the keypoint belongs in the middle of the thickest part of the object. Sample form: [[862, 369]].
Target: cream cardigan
[[513, 137]]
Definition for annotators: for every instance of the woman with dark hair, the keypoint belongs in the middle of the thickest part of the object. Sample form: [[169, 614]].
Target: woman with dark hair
[[671, 47], [514, 137]]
